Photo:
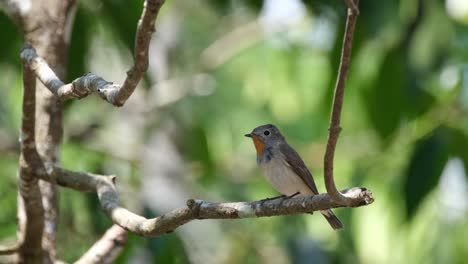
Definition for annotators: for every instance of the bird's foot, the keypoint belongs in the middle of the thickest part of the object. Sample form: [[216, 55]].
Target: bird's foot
[[285, 197], [272, 198]]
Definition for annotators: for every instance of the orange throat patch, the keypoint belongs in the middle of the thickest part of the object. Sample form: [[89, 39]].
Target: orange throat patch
[[259, 145]]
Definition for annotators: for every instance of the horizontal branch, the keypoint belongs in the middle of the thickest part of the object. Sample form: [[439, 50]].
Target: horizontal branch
[[81, 87], [8, 250], [77, 89], [195, 209]]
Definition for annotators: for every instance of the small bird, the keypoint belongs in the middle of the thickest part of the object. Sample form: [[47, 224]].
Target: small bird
[[284, 168]]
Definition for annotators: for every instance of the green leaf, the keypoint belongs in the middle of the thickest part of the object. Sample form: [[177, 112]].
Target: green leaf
[[425, 167], [385, 100], [394, 96]]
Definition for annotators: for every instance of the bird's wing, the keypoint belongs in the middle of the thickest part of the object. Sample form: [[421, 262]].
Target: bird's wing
[[294, 161]]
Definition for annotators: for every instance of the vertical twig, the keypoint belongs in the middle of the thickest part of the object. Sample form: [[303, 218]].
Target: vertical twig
[[334, 130], [106, 249], [142, 40]]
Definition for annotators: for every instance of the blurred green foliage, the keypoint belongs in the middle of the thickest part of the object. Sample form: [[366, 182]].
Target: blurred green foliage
[[404, 126]]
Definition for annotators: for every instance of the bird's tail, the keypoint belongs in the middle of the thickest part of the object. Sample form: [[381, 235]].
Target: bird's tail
[[332, 219]]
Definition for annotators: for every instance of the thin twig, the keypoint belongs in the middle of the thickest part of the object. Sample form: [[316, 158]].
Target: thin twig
[[8, 250], [81, 87], [106, 249], [353, 5], [143, 36], [335, 128]]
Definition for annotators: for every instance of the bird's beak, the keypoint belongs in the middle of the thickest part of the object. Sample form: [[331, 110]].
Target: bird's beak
[[248, 135]]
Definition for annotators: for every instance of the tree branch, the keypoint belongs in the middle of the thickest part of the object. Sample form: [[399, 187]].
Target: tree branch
[[104, 186], [143, 36], [83, 86], [353, 5], [8, 250], [106, 249], [32, 226], [334, 130], [50, 39]]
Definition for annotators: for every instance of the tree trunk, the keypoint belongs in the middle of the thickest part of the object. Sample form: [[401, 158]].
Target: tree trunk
[[45, 27]]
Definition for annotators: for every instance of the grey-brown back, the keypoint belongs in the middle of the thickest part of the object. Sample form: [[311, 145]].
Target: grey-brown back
[[298, 166]]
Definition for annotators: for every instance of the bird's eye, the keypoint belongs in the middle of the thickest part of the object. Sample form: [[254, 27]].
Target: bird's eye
[[266, 133]]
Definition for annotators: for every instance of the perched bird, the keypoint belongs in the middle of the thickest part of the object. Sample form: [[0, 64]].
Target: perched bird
[[284, 168]]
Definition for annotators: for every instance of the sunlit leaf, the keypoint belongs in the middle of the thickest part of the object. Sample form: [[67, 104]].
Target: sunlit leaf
[[385, 100]]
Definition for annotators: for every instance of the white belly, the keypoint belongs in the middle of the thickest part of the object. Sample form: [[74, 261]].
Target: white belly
[[283, 179]]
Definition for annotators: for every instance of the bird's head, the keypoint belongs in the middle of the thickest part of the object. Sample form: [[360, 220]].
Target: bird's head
[[265, 136]]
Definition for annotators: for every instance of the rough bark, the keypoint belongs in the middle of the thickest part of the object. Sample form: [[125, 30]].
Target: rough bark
[[104, 186], [31, 214], [44, 26]]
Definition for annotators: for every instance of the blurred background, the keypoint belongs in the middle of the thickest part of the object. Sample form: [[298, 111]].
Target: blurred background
[[220, 68]]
